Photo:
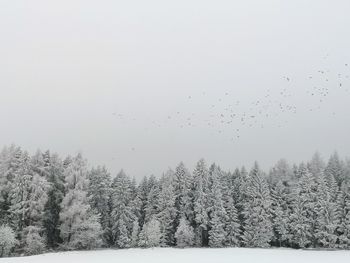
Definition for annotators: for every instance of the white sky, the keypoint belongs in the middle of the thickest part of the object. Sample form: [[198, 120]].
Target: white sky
[[67, 66]]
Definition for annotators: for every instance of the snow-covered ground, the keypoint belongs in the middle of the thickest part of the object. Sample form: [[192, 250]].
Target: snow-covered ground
[[165, 255]]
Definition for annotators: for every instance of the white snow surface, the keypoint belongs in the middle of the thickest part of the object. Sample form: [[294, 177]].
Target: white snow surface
[[163, 255]]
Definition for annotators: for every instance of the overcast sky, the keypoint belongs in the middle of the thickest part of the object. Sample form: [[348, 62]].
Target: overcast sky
[[143, 85]]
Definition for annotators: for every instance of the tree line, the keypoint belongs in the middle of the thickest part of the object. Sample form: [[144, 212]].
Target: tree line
[[48, 203]]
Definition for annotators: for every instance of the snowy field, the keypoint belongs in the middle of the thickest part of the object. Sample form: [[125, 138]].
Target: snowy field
[[163, 255]]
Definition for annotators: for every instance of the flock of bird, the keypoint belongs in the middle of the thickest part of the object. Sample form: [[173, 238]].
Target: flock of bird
[[225, 114]]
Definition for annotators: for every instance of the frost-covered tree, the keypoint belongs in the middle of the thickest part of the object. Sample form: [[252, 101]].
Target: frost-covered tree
[[151, 206], [28, 197], [231, 221], [303, 214], [343, 217], [80, 228], [200, 199], [335, 169], [239, 180], [141, 201], [11, 159], [100, 195], [7, 240], [316, 166], [326, 218], [34, 243], [183, 183], [280, 213], [167, 211], [184, 234], [37, 200], [232, 225], [19, 195], [55, 194], [87, 234], [39, 163], [258, 231], [150, 234], [281, 172], [122, 216], [135, 233], [217, 212]]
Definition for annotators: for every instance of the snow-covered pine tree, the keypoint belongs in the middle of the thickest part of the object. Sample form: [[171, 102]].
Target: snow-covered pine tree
[[80, 228], [135, 233], [217, 212], [239, 186], [184, 234], [38, 164], [346, 172], [303, 214], [167, 211], [122, 216], [151, 208], [343, 217], [38, 198], [281, 172], [141, 201], [326, 220], [280, 213], [200, 199], [34, 243], [100, 193], [258, 231], [316, 166], [10, 165], [28, 197], [183, 183], [124, 235], [7, 240], [335, 170], [19, 194], [232, 224], [52, 209], [150, 234]]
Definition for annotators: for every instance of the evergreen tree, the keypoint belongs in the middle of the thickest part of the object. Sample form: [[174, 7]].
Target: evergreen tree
[[7, 240], [100, 194], [217, 212], [19, 194], [150, 234], [11, 159], [152, 203], [280, 213], [135, 233], [231, 221], [184, 234], [303, 214], [80, 228], [343, 217], [34, 243], [28, 197], [122, 216], [200, 200], [326, 219], [316, 166], [281, 172], [239, 190], [52, 209], [167, 212], [258, 230], [335, 170], [183, 183], [141, 200]]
